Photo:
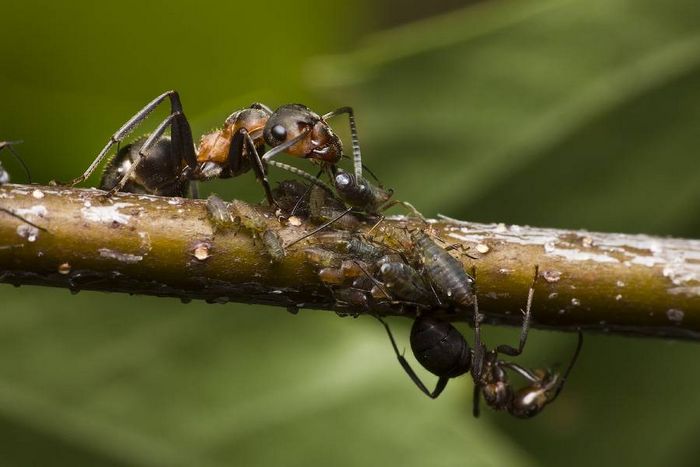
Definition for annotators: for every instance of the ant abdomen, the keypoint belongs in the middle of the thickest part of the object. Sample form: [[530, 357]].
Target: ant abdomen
[[440, 348], [157, 174]]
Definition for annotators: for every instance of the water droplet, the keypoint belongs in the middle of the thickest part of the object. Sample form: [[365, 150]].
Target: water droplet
[[482, 248], [575, 302], [201, 251]]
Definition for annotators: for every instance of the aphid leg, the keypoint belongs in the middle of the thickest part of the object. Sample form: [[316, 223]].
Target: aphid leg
[[527, 315], [442, 381], [181, 134], [356, 154], [143, 151]]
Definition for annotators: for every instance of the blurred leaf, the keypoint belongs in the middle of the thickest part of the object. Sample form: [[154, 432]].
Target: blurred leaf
[[558, 104], [205, 385]]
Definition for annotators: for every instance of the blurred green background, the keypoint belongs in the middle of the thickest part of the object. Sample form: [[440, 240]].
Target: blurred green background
[[576, 114]]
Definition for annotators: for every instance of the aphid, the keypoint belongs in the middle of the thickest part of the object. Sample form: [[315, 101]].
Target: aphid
[[405, 283], [219, 214], [247, 216], [442, 350], [445, 273], [234, 149], [322, 257]]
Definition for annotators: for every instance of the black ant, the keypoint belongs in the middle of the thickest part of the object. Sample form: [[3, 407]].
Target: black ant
[[442, 350], [162, 165]]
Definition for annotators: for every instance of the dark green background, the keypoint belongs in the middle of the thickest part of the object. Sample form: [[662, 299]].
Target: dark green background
[[576, 114]]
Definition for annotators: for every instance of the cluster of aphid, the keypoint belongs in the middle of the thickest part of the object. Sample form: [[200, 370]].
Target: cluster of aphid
[[406, 270], [426, 282]]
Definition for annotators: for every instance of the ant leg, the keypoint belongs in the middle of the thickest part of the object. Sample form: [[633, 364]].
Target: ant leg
[[478, 353], [356, 154], [306, 193], [507, 349], [181, 134], [571, 365], [143, 152], [266, 158], [442, 381], [258, 167], [8, 145], [476, 410]]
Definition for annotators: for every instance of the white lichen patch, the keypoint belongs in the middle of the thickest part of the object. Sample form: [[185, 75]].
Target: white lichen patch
[[28, 232], [119, 256], [106, 214], [551, 276], [675, 315], [38, 194], [38, 210]]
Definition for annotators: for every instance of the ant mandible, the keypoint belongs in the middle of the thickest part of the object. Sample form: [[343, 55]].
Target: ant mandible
[[442, 350], [164, 166]]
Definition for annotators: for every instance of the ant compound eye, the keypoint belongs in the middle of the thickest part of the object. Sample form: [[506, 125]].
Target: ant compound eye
[[342, 180], [279, 132]]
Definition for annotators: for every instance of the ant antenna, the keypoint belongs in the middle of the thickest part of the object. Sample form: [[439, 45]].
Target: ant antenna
[[8, 145], [17, 216], [315, 231]]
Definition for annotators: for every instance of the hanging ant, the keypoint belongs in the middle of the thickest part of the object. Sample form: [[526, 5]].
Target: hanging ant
[[161, 165], [442, 350]]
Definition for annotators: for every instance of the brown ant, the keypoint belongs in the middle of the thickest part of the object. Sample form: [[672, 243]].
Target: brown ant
[[442, 350], [161, 165]]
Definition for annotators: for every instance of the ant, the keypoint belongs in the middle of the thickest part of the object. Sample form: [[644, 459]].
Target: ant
[[442, 350], [163, 165]]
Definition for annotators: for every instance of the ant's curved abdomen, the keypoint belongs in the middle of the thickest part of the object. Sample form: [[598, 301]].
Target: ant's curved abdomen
[[440, 348], [157, 174]]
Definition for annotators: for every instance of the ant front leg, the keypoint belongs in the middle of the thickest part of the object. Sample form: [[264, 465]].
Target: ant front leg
[[181, 134], [442, 381], [257, 163], [509, 350]]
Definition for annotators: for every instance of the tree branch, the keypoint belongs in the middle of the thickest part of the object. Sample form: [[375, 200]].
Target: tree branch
[[629, 284]]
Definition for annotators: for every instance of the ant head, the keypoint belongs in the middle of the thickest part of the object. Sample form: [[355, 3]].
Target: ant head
[[317, 140], [530, 400]]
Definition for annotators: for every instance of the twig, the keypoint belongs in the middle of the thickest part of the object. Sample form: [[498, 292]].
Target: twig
[[629, 284]]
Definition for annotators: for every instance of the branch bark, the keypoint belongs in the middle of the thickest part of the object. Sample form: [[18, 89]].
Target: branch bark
[[627, 284]]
